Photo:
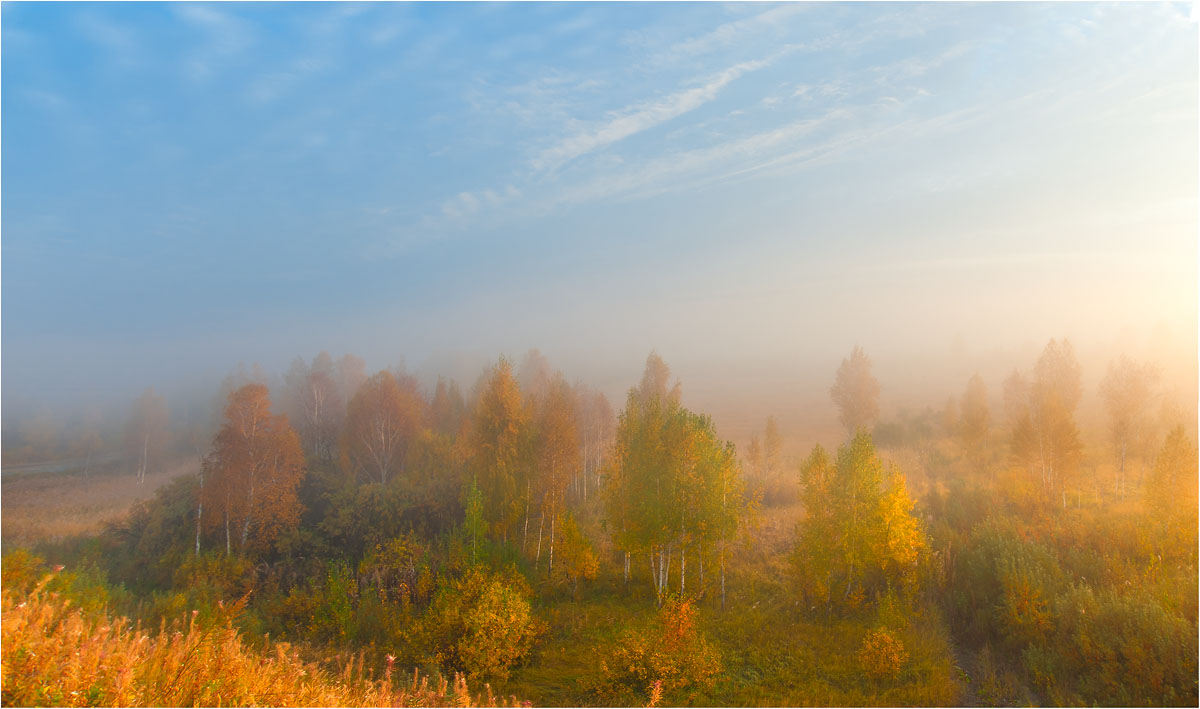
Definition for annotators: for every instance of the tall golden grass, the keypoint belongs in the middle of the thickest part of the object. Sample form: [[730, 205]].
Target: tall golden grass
[[58, 655]]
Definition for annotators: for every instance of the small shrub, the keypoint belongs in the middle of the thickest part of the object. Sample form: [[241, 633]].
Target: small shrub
[[667, 656], [881, 655], [481, 623]]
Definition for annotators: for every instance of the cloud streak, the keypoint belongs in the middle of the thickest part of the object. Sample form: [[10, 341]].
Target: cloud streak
[[635, 119]]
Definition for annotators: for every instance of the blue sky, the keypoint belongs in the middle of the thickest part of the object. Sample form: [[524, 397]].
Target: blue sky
[[193, 185]]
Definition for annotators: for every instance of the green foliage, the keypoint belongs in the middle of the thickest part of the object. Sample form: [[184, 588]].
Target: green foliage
[[671, 484], [1112, 649], [481, 623], [1004, 586]]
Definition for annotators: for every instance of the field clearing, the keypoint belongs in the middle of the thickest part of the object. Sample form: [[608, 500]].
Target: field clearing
[[51, 505]]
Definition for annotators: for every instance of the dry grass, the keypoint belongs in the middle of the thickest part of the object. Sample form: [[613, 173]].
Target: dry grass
[[45, 506], [57, 655]]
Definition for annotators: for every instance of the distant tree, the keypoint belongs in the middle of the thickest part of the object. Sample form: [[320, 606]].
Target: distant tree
[[754, 457], [350, 373], [251, 473], [772, 446], [314, 403], [497, 448], [448, 409], [146, 433], [1128, 390], [1045, 437], [859, 535], [534, 375], [856, 392], [596, 423], [656, 379], [976, 419], [382, 420]]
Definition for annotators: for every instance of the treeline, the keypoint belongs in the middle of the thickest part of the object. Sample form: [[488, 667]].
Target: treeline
[[462, 532]]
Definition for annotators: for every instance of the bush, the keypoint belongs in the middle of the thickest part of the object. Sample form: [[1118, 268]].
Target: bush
[[481, 623], [668, 656], [1123, 650], [881, 655]]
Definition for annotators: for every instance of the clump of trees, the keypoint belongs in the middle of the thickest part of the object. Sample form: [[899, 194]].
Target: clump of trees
[[250, 477], [859, 536], [673, 486]]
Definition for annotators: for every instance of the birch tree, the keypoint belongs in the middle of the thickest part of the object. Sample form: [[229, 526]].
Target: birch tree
[[251, 474]]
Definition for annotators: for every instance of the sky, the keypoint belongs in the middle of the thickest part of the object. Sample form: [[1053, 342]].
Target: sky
[[739, 186]]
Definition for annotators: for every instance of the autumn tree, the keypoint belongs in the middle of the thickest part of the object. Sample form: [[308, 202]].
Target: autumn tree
[[382, 420], [577, 558], [557, 455], [496, 447], [596, 423], [754, 457], [1171, 488], [859, 535], [251, 473], [856, 392], [534, 375], [1128, 390], [314, 404], [772, 446], [350, 373], [448, 410], [673, 486], [146, 433], [975, 419]]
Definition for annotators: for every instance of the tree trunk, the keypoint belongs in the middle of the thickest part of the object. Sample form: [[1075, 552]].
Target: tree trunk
[[722, 574], [626, 568], [540, 525], [682, 568], [653, 573], [525, 535], [551, 566], [145, 450], [227, 542]]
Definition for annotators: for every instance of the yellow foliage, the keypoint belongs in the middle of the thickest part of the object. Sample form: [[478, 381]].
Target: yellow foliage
[[882, 655]]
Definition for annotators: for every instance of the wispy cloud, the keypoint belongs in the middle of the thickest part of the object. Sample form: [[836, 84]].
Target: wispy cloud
[[727, 35], [640, 117]]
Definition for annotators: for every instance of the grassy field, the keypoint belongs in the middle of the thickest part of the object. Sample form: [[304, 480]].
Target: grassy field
[[48, 503]]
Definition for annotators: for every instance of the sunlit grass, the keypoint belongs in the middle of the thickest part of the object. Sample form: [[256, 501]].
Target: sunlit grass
[[55, 654]]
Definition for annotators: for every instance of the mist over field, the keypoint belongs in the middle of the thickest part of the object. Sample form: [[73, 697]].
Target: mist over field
[[338, 321]]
